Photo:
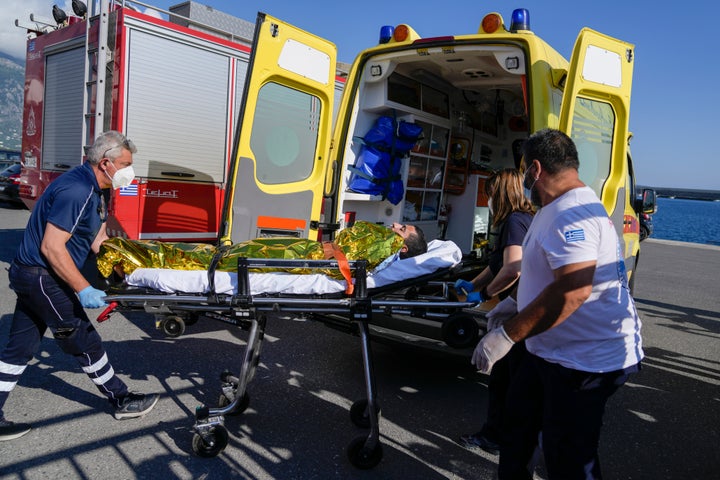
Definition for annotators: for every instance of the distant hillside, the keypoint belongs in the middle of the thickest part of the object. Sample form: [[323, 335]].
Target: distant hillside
[[12, 80], [687, 193]]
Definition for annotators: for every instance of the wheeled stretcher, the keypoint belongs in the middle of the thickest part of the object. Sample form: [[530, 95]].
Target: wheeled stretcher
[[241, 304]]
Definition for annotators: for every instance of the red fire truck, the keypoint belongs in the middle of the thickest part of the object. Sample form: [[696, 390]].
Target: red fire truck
[[172, 86]]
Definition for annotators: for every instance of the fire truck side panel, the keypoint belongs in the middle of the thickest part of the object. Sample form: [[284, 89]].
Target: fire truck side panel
[[282, 140], [175, 91], [52, 116], [62, 125], [178, 99]]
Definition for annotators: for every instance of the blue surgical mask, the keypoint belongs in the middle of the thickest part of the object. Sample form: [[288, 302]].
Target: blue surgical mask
[[528, 188]]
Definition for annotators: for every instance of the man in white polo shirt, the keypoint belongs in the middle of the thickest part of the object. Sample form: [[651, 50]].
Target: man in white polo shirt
[[575, 311]]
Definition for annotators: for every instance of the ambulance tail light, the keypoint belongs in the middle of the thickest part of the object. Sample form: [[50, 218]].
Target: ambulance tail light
[[520, 20], [434, 40]]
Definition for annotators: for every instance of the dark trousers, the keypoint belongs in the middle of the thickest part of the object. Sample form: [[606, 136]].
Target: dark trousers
[[498, 385], [567, 406], [44, 301]]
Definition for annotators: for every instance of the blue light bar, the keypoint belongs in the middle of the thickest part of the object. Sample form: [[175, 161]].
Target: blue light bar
[[386, 33], [520, 20]]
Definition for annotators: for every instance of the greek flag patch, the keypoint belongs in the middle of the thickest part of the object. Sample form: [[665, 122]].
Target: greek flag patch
[[575, 235], [129, 191]]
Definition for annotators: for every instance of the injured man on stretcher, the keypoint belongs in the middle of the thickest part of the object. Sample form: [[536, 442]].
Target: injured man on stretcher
[[393, 254]]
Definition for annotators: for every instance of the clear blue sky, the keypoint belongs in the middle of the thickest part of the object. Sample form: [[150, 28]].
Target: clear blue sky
[[675, 98]]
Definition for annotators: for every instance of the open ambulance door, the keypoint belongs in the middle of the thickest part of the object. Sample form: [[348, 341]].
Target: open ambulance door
[[595, 113], [283, 136]]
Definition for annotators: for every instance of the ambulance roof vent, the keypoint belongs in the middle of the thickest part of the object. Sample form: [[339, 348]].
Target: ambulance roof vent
[[476, 73]]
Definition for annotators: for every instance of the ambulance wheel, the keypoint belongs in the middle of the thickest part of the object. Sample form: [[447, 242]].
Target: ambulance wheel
[[241, 406], [173, 326], [362, 457], [359, 413], [212, 443], [460, 330]]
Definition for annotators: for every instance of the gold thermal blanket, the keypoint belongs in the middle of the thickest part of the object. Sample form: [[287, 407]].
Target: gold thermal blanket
[[362, 241]]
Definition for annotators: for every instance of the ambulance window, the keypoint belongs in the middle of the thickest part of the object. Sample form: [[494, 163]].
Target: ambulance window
[[285, 134], [592, 131]]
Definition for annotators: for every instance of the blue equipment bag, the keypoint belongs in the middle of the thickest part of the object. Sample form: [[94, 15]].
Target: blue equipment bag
[[377, 168]]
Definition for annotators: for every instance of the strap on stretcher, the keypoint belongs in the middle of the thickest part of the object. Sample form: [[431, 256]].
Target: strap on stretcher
[[211, 271], [332, 250]]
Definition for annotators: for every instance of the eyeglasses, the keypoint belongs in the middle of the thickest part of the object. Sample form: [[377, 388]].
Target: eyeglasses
[[127, 144]]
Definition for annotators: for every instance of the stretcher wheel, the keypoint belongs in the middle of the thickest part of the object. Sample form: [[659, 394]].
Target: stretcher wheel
[[173, 326], [192, 319], [359, 413], [460, 330], [211, 443], [362, 457], [242, 405]]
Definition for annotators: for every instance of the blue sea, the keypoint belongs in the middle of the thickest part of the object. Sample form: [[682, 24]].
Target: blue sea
[[683, 220]]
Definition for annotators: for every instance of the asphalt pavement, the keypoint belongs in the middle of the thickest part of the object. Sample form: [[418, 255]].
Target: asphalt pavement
[[664, 424]]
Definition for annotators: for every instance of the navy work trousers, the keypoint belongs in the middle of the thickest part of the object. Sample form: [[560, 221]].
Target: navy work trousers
[[500, 377], [44, 301], [567, 406]]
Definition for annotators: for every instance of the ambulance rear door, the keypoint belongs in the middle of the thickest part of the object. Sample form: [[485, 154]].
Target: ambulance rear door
[[595, 113], [281, 144]]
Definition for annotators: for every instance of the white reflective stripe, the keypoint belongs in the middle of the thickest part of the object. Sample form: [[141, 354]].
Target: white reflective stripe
[[96, 366], [7, 386], [104, 378], [11, 369]]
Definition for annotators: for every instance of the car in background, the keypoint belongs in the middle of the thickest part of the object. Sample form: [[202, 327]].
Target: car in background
[[646, 226], [10, 185]]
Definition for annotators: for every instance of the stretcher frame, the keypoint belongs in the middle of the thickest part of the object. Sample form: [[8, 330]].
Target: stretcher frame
[[250, 313]]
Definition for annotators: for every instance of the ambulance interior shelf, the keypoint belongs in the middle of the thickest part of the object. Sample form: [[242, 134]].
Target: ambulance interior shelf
[[406, 94], [457, 165], [422, 170], [426, 171]]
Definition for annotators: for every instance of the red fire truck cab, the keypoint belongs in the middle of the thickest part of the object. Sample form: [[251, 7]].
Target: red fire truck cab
[[174, 87]]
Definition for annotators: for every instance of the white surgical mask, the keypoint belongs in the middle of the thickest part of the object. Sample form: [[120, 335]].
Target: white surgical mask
[[123, 177]]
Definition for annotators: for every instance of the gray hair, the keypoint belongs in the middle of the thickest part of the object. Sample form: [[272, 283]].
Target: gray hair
[[109, 145]]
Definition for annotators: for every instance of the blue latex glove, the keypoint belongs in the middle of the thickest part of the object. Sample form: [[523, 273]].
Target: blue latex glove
[[92, 297], [464, 287], [475, 297]]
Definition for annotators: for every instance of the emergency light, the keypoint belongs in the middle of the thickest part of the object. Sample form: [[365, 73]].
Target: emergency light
[[401, 33], [386, 33], [491, 23], [520, 20]]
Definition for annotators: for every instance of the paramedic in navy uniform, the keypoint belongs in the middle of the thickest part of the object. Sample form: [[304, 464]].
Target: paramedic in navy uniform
[[67, 222], [577, 317]]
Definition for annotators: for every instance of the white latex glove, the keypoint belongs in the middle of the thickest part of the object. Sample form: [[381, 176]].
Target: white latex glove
[[504, 310], [491, 348]]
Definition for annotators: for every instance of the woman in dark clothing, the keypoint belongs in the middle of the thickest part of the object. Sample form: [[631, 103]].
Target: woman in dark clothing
[[511, 215]]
